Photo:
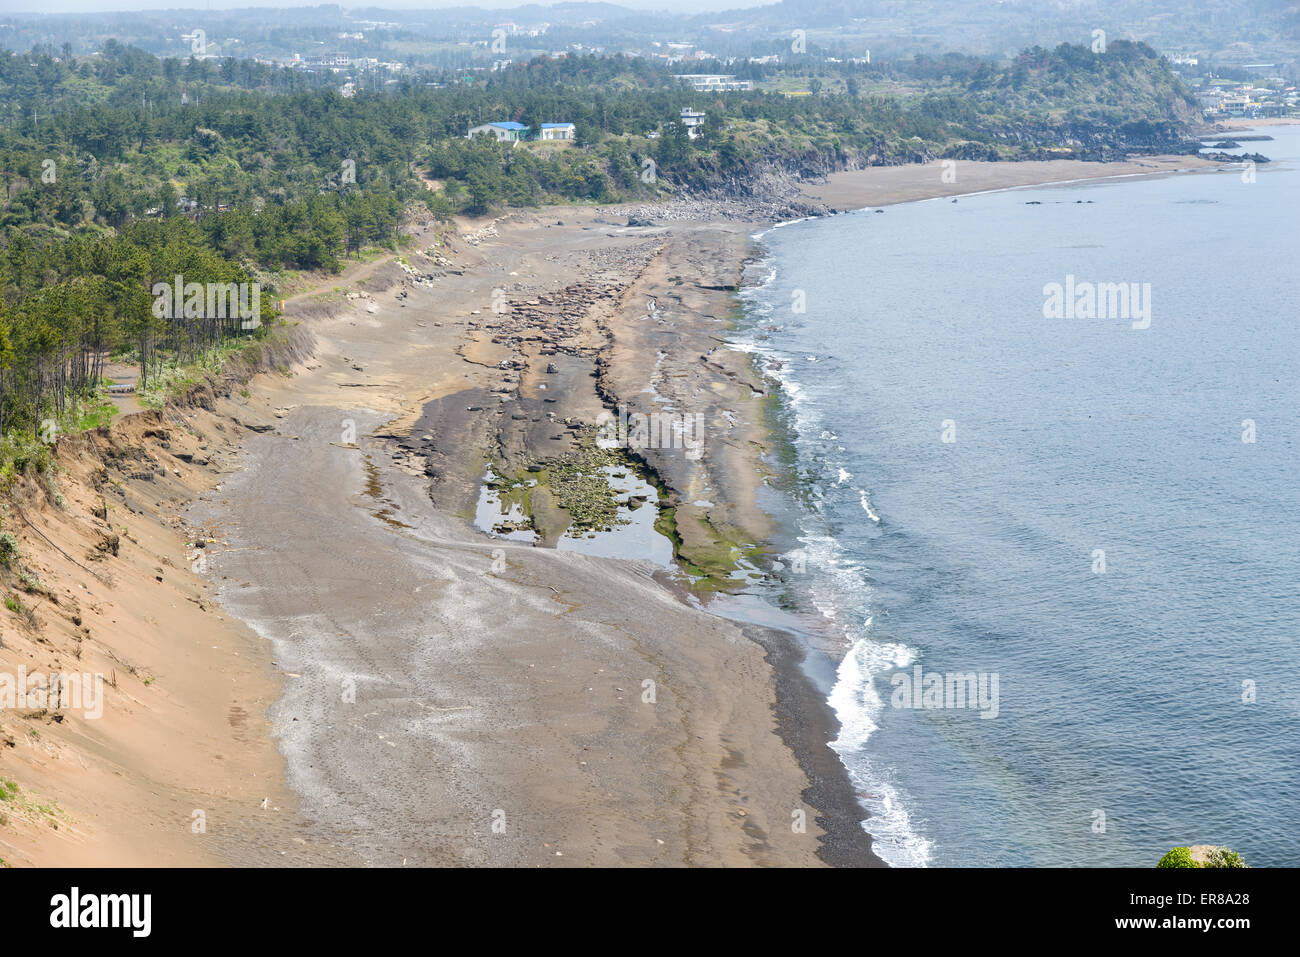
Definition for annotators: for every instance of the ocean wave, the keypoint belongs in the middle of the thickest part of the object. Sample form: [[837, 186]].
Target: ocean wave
[[854, 698], [895, 838], [858, 705], [866, 506]]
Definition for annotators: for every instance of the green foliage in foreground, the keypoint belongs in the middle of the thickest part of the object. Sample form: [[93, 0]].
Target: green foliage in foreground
[[1219, 857], [8, 549], [1222, 857], [1178, 857]]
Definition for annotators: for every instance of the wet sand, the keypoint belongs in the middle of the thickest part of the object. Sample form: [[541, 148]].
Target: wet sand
[[451, 698]]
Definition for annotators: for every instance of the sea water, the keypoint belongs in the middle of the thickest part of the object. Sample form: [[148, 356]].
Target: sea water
[[1100, 513]]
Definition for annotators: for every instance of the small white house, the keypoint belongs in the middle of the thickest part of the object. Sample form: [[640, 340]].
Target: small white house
[[558, 131], [502, 131], [692, 120]]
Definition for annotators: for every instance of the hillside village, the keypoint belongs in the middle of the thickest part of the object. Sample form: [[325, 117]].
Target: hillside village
[[510, 131], [1271, 99]]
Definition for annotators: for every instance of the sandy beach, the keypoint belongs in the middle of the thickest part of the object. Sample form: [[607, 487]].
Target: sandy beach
[[1244, 123], [349, 671], [883, 186], [179, 767]]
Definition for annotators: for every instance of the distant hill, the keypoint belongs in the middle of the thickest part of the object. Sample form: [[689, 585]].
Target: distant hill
[[1230, 31], [1252, 27]]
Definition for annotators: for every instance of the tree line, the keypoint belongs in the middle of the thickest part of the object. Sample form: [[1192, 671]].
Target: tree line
[[115, 179]]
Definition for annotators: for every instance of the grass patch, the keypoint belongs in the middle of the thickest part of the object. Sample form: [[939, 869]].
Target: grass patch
[[21, 453], [19, 608], [95, 415], [26, 808], [8, 549]]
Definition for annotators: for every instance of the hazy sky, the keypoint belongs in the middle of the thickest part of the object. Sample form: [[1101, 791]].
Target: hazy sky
[[81, 6]]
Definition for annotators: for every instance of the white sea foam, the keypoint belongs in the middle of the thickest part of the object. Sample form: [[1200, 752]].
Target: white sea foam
[[866, 506], [788, 222], [856, 702], [835, 587], [858, 705], [895, 839]]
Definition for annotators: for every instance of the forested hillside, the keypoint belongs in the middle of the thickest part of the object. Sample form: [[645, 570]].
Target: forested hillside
[[124, 170]]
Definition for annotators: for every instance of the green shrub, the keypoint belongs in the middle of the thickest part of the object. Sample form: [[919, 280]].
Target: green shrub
[[1178, 857], [8, 549], [22, 454], [1223, 857]]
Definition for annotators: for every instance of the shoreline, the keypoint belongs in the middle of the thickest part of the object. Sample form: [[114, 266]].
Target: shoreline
[[408, 351], [855, 190], [1243, 123], [852, 186]]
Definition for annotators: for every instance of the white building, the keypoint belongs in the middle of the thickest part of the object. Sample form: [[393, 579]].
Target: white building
[[558, 131], [502, 131], [692, 120], [713, 82]]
